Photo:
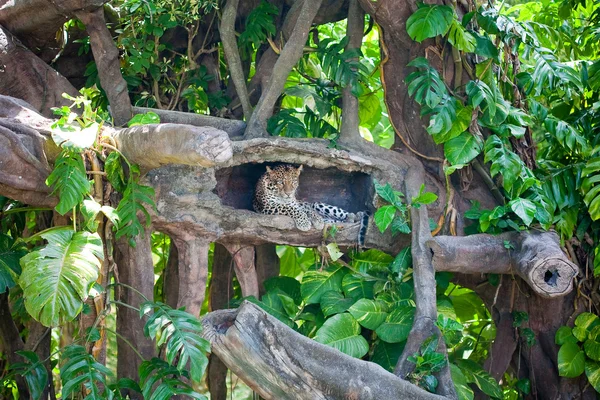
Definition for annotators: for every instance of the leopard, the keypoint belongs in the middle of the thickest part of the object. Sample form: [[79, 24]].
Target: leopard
[[276, 194]]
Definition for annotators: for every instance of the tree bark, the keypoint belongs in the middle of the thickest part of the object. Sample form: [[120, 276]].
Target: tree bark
[[281, 364]]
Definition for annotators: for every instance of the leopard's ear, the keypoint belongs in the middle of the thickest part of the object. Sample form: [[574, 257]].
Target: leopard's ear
[[269, 170], [300, 169]]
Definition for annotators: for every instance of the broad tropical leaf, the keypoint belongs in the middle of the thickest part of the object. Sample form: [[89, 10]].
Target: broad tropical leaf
[[463, 148], [315, 283], [56, 278], [571, 360], [369, 313], [342, 332], [387, 354], [397, 325], [34, 371], [429, 21], [591, 187], [10, 268], [68, 180], [358, 286], [161, 381], [135, 199], [179, 332], [79, 370], [333, 302], [484, 381], [460, 38], [426, 85]]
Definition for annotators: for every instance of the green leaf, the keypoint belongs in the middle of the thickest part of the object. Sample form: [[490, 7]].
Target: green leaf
[[371, 259], [144, 119], [135, 199], [463, 390], [180, 334], [56, 278], [564, 335], [503, 160], [342, 332], [68, 181], [387, 354], [369, 313], [315, 283], [592, 344], [584, 323], [425, 84], [462, 149], [591, 187], [334, 251], [288, 285], [114, 172], [397, 325], [424, 197], [384, 216], [524, 208], [10, 255], [402, 262], [161, 381], [369, 110], [485, 47], [484, 381], [429, 21], [387, 193], [357, 286], [460, 38], [34, 371], [333, 302], [571, 360], [592, 371], [271, 303], [80, 370]]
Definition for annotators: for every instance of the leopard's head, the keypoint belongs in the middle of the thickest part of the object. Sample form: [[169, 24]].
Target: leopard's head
[[282, 180]]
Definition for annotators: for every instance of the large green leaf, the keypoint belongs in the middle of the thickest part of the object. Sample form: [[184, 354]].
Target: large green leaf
[[356, 286], [402, 262], [460, 38], [272, 303], [524, 208], [179, 333], [288, 285], [10, 268], [56, 277], [592, 371], [80, 370], [503, 161], [397, 325], [426, 85], [333, 302], [584, 323], [315, 283], [429, 21], [563, 335], [68, 181], [484, 381], [371, 259], [369, 313], [591, 188], [592, 344], [383, 217], [571, 360], [343, 333], [387, 354], [463, 148], [34, 371], [463, 390], [161, 381], [135, 199]]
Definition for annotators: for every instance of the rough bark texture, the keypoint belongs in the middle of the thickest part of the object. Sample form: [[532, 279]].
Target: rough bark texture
[[231, 126], [290, 54], [349, 130], [107, 60], [154, 145], [44, 86], [192, 272], [135, 269], [281, 364], [536, 257]]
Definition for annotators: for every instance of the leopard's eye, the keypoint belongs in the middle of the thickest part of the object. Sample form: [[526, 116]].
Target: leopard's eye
[[280, 182]]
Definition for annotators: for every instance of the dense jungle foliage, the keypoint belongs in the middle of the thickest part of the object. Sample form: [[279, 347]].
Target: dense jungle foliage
[[529, 110]]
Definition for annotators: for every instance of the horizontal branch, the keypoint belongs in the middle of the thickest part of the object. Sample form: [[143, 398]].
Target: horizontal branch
[[258, 349], [534, 256]]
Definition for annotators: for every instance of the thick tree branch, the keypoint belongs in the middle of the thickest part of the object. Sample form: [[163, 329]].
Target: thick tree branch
[[279, 363], [534, 256], [349, 132], [232, 54], [107, 60], [425, 294], [23, 75], [291, 53]]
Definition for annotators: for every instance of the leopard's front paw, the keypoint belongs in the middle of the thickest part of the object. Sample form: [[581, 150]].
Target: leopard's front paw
[[303, 225], [318, 224]]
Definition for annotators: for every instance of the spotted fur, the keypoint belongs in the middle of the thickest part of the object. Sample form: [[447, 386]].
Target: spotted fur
[[276, 194]]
